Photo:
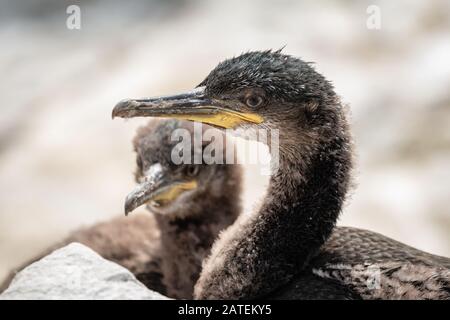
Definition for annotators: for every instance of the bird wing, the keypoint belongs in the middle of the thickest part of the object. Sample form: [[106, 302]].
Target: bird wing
[[308, 286], [377, 267]]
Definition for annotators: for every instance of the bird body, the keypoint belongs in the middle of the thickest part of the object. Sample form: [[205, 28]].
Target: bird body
[[165, 249], [278, 244], [189, 219], [367, 265]]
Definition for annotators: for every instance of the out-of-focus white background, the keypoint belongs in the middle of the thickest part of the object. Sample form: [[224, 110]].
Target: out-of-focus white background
[[64, 163]]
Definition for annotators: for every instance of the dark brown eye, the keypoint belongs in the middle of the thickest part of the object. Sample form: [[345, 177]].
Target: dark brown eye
[[192, 171], [253, 101]]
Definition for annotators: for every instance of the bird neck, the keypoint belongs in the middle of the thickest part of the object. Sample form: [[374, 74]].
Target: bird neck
[[185, 242], [265, 250], [201, 224], [305, 197], [307, 193]]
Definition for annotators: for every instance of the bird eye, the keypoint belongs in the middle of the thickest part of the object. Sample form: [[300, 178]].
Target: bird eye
[[192, 171], [253, 101]]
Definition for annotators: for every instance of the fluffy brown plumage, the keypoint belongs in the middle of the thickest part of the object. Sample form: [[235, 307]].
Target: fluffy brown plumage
[[368, 265], [286, 240], [284, 249], [165, 249]]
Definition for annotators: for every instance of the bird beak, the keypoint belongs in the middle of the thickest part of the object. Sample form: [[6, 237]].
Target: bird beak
[[193, 105], [157, 188]]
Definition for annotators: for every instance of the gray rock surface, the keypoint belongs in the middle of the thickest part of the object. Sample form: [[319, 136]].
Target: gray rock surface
[[77, 272]]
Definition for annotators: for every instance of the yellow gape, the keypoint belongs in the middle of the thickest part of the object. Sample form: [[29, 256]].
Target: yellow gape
[[172, 192], [223, 118]]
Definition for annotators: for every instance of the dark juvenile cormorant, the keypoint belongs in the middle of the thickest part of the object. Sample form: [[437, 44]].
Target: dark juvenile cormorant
[[286, 249], [190, 204]]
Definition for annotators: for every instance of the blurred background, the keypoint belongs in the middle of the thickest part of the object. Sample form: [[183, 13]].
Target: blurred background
[[65, 164]]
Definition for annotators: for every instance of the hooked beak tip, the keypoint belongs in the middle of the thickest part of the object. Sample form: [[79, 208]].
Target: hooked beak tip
[[130, 204], [127, 209], [122, 108]]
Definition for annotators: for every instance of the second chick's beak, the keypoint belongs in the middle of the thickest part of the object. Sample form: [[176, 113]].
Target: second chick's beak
[[158, 187]]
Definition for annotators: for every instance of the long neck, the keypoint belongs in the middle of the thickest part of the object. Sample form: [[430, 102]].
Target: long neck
[[186, 242], [304, 199]]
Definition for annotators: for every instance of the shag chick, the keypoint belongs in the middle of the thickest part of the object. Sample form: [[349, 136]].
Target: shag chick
[[287, 241], [189, 206]]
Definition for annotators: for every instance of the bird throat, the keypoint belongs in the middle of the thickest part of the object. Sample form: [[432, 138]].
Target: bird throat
[[307, 197], [303, 202]]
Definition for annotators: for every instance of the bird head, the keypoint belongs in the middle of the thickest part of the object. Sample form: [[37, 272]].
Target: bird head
[[261, 89], [176, 189], [257, 90]]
